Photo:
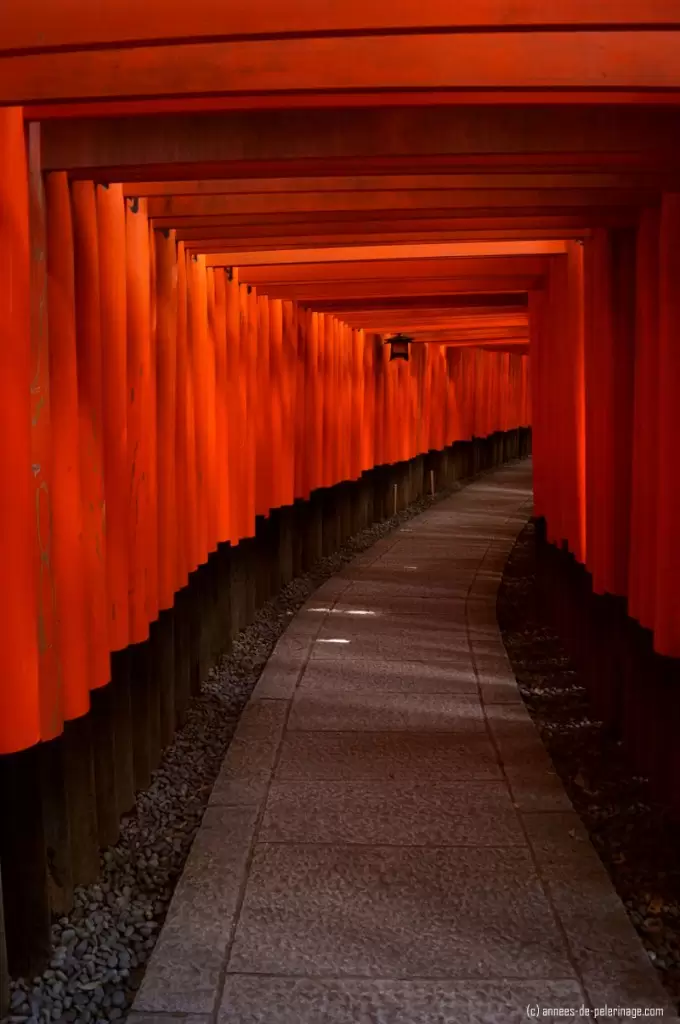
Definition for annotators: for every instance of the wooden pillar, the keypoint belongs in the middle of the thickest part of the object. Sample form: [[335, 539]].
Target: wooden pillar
[[91, 411], [25, 914], [222, 400], [200, 371], [278, 467], [166, 361], [113, 306], [69, 562], [539, 404], [262, 409], [667, 593], [564, 363], [249, 350], [645, 456], [207, 398], [169, 576], [90, 406], [152, 606], [51, 708], [291, 380], [185, 437], [140, 541], [236, 385], [609, 362]]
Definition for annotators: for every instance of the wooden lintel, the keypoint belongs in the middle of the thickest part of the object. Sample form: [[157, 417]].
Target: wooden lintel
[[597, 60], [36, 25], [401, 140]]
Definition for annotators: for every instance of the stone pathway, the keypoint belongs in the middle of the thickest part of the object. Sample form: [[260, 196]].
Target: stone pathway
[[387, 842]]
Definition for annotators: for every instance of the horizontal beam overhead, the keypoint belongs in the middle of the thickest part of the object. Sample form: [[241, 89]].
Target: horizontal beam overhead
[[312, 293], [184, 210], [424, 320], [361, 254], [353, 227], [232, 250], [480, 333], [41, 24], [403, 183], [395, 140], [499, 300], [443, 269], [538, 60], [583, 98]]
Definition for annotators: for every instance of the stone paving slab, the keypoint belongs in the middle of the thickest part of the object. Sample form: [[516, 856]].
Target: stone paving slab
[[379, 756], [392, 813], [396, 912], [353, 674], [291, 1000], [388, 841]]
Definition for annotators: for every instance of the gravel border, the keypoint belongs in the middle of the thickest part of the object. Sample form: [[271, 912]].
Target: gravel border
[[100, 949], [633, 834]]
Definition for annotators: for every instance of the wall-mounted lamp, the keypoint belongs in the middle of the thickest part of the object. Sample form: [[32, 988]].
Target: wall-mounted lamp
[[399, 346]]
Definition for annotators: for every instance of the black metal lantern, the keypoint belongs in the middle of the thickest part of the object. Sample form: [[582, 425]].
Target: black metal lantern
[[399, 346]]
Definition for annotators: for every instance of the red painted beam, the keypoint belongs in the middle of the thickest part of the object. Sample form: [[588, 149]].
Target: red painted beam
[[498, 301], [537, 60], [402, 140], [41, 24], [356, 253], [184, 210], [306, 100], [395, 270], [311, 294], [350, 227], [404, 183], [235, 249]]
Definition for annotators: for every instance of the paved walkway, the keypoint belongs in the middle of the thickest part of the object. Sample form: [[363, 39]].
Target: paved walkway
[[387, 842]]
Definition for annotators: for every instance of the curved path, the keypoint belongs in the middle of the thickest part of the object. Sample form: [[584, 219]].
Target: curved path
[[387, 842]]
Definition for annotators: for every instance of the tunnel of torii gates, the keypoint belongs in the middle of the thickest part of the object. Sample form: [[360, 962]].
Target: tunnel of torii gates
[[212, 217]]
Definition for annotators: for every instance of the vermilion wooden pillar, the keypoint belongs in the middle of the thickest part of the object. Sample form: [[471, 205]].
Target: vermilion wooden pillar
[[209, 398], [645, 454], [169, 579], [152, 589], [51, 708], [325, 399], [19, 700], [90, 404], [357, 412], [576, 410], [292, 368], [113, 324], [313, 430], [197, 332], [565, 413], [609, 363], [69, 564], [249, 352], [185, 438], [667, 606], [368, 424], [140, 539], [380, 368], [262, 409], [237, 409], [302, 405], [222, 399], [277, 388], [540, 382]]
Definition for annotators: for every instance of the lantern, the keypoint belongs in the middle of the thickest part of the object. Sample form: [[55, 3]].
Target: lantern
[[399, 346]]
